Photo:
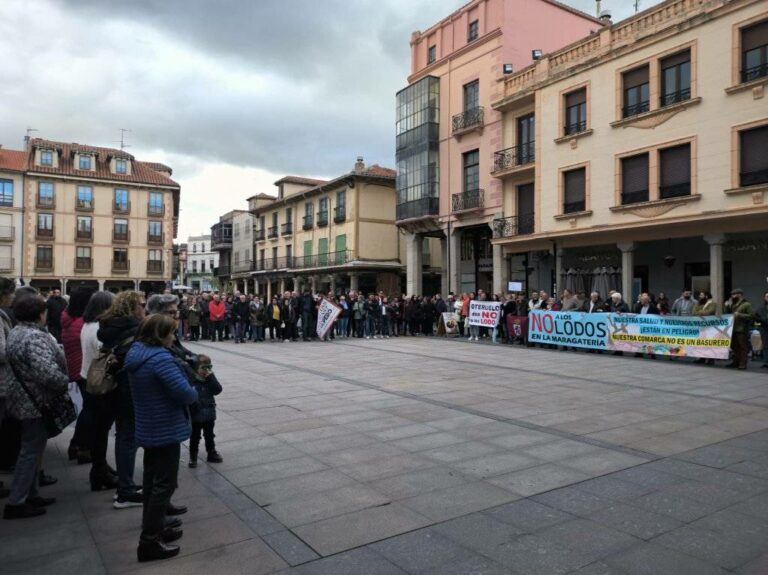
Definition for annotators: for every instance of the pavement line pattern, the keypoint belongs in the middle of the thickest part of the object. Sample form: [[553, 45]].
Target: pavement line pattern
[[445, 404]]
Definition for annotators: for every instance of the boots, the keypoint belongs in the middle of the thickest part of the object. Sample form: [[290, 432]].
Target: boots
[[214, 456], [192, 459], [155, 549], [101, 478]]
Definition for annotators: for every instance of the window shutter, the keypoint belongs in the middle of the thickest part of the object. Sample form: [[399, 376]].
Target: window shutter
[[754, 36], [634, 174], [636, 77], [675, 165], [576, 98], [575, 183], [754, 150], [676, 59]]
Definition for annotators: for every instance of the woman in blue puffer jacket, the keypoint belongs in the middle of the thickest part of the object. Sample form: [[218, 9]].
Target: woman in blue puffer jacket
[[161, 396]]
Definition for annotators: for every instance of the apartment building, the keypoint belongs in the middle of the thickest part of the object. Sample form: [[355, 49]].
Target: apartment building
[[12, 167], [326, 235], [201, 262], [650, 167], [96, 217], [447, 132]]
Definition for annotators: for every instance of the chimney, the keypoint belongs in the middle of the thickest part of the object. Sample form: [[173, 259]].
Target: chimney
[[359, 165], [597, 12], [605, 17]]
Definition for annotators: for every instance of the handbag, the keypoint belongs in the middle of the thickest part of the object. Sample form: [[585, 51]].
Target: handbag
[[57, 415], [102, 372]]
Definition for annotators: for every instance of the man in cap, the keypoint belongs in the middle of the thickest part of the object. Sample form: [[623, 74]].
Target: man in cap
[[743, 318]]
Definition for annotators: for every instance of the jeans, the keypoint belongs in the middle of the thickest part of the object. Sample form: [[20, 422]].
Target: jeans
[[474, 331], [207, 431], [341, 326], [494, 333], [257, 332], [33, 440], [217, 330], [204, 327], [125, 454], [385, 326], [161, 470], [240, 328], [370, 326], [84, 424], [360, 327]]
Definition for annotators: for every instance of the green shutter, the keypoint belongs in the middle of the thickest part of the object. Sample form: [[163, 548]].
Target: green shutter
[[308, 253], [322, 252], [341, 249]]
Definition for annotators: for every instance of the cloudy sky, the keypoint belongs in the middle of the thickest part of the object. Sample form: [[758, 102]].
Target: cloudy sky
[[233, 94]]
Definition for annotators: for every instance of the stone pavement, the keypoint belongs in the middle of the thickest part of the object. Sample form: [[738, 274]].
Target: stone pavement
[[418, 455]]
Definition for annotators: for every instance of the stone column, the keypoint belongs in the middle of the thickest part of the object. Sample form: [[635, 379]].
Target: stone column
[[413, 263], [454, 242], [445, 265], [716, 268], [559, 282], [101, 285], [297, 284], [354, 281], [313, 284], [627, 269], [500, 269], [282, 286], [245, 287], [333, 283], [269, 291]]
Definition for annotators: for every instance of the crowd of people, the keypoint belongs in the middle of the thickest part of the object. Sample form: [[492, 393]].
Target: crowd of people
[[121, 355]]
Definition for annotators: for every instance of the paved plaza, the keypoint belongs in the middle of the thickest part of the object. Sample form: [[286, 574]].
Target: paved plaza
[[420, 455]]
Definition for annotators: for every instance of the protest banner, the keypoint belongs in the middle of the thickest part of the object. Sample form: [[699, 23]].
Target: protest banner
[[484, 313], [517, 328], [326, 315], [680, 336], [448, 324]]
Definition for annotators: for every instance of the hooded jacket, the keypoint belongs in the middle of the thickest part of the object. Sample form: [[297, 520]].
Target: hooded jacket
[[112, 334], [70, 339], [205, 409], [161, 394]]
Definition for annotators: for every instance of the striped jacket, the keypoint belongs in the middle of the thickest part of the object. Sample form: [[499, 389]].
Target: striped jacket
[[161, 395]]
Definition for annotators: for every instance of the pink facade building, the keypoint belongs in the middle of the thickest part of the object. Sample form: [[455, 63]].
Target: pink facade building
[[449, 138]]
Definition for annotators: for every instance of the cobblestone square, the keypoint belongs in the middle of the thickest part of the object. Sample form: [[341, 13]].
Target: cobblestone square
[[423, 455]]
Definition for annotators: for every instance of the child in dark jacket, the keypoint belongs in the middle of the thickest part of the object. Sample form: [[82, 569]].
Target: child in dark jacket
[[204, 411]]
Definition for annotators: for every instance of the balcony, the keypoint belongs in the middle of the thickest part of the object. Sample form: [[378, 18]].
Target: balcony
[[45, 233], [575, 128], [675, 191], [272, 264], [221, 236], [272, 232], [309, 222], [322, 219], [222, 272], [83, 265], [7, 233], [121, 208], [155, 210], [121, 267], [324, 260], [754, 73], [468, 201], [84, 205], [339, 214], [258, 235], [287, 229], [155, 239], [121, 237], [423, 207], [468, 120], [43, 265], [511, 159], [513, 226], [6, 265], [634, 197], [154, 266], [84, 235], [674, 97], [46, 203], [636, 109]]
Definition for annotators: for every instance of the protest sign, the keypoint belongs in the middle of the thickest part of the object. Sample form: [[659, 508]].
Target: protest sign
[[517, 328], [484, 313], [326, 315], [680, 336], [448, 324]]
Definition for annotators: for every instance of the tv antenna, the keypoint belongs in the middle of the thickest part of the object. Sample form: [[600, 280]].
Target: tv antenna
[[123, 145], [637, 6], [27, 138]]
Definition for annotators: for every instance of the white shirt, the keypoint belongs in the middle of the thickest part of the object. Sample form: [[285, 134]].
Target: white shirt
[[644, 310], [90, 346]]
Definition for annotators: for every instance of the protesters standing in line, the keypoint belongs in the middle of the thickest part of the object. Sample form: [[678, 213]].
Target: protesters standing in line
[[683, 305]]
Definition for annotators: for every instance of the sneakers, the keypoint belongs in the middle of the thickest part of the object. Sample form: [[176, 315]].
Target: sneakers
[[214, 457], [128, 500], [22, 511]]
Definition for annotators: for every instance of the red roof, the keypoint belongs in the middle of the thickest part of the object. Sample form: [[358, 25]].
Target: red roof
[[300, 180], [378, 171], [141, 172], [13, 160]]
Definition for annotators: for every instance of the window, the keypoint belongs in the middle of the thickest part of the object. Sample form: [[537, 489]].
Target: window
[[634, 179], [574, 191], [155, 231], [473, 30], [262, 257], [289, 256], [84, 198], [236, 230], [308, 253], [309, 209], [194, 248], [156, 205], [45, 194], [44, 257], [753, 157], [637, 92], [120, 230], [341, 206], [576, 112], [322, 252], [84, 227], [471, 95], [274, 219], [84, 162], [237, 258], [45, 224], [341, 248], [6, 193], [120, 259], [526, 139], [202, 266], [754, 52], [288, 221], [676, 78], [121, 200], [322, 212], [210, 262], [471, 167], [83, 258], [155, 255], [431, 54], [274, 257], [46, 158], [121, 166], [675, 171], [194, 266], [155, 261]]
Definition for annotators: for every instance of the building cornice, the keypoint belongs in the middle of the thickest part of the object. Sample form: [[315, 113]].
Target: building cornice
[[118, 183]]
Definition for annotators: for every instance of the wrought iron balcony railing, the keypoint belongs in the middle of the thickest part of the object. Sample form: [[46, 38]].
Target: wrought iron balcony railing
[[258, 235], [675, 97], [755, 72], [339, 214], [471, 118], [322, 218], [675, 191], [513, 226], [83, 264], [515, 156], [575, 128], [287, 229], [121, 266], [634, 197], [636, 109], [308, 222], [154, 267], [467, 201], [272, 232]]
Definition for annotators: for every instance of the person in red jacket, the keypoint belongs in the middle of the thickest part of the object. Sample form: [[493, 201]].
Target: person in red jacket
[[71, 326], [218, 314]]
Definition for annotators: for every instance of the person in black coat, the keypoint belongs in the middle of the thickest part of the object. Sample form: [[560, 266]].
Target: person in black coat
[[646, 306], [204, 411], [241, 314], [428, 313]]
